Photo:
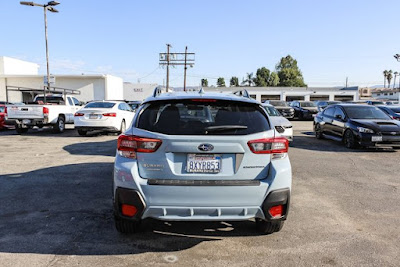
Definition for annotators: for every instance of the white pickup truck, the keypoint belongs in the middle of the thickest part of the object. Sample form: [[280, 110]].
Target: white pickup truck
[[56, 113]]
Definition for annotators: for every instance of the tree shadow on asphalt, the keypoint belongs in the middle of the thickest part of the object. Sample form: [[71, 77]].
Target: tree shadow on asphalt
[[105, 148], [67, 210], [308, 141]]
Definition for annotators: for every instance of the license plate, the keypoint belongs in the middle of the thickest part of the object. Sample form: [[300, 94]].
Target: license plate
[[93, 116], [26, 121], [376, 138], [203, 163]]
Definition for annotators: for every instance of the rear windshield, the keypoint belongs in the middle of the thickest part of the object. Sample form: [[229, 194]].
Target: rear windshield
[[51, 99], [272, 111], [100, 105], [363, 112], [307, 104], [202, 117]]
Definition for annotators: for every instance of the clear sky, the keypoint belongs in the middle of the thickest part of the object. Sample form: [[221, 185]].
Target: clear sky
[[331, 40]]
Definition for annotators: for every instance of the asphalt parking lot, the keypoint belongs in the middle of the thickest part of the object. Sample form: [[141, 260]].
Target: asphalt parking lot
[[55, 209]]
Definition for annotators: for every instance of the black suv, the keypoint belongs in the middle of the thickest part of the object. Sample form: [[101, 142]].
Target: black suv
[[355, 125]]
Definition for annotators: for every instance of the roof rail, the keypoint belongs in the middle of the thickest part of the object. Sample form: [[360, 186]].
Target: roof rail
[[157, 91], [242, 92]]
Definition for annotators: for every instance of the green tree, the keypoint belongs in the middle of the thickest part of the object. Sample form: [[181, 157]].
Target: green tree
[[204, 83], [394, 81], [273, 79], [249, 79], [389, 77], [289, 73], [385, 74], [262, 77], [234, 81], [221, 82]]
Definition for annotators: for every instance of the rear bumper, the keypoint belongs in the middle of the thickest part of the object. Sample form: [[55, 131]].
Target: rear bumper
[[199, 201], [97, 128]]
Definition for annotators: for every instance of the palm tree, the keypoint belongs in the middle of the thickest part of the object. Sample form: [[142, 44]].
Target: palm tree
[[389, 77], [249, 79], [394, 81], [385, 73]]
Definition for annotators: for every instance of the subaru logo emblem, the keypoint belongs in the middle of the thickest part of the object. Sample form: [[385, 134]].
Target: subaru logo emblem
[[205, 147]]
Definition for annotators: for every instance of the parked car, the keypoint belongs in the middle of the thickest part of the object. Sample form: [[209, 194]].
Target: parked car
[[134, 104], [281, 124], [392, 111], [108, 116], [5, 123], [201, 157], [283, 108], [56, 112], [304, 110], [375, 102], [321, 105], [391, 102], [357, 125]]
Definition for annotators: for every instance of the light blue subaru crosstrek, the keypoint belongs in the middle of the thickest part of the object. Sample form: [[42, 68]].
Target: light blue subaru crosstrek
[[195, 156]]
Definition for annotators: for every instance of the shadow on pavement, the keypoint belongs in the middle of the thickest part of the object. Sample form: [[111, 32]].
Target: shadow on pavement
[[308, 141], [105, 148], [67, 210]]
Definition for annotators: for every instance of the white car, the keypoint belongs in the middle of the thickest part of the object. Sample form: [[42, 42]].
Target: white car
[[109, 116], [281, 124]]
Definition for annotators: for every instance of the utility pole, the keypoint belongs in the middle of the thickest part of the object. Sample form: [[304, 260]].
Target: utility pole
[[347, 81], [184, 78], [175, 59], [168, 46]]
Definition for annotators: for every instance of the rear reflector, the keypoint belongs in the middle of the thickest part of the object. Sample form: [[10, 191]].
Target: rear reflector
[[128, 145], [128, 210], [276, 211], [78, 114], [110, 114], [269, 145]]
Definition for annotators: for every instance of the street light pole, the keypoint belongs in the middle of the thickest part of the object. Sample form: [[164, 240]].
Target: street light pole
[[47, 54], [49, 7]]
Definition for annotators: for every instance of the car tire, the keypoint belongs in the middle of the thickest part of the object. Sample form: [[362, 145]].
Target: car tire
[[82, 132], [59, 127], [21, 130], [122, 129], [349, 140], [266, 227], [126, 226], [318, 131]]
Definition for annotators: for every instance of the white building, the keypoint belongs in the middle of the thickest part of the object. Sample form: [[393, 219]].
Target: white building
[[16, 73], [138, 91], [386, 94], [295, 93]]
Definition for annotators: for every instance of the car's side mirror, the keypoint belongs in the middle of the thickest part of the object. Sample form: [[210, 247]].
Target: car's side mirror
[[339, 117]]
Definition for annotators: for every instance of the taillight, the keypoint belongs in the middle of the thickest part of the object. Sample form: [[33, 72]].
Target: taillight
[[45, 111], [5, 110], [110, 114], [77, 114], [276, 145], [128, 145], [276, 211]]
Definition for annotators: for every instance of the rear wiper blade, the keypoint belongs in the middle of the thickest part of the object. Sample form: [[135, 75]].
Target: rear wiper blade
[[225, 128]]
